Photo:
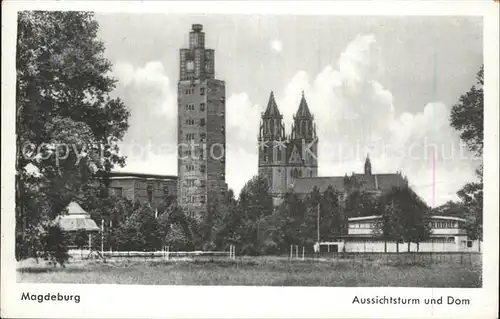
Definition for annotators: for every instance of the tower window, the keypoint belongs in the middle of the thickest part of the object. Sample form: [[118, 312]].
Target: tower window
[[202, 91], [202, 107], [202, 122], [202, 168], [190, 107]]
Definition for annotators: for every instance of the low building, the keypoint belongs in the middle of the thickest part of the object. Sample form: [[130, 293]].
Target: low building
[[145, 188], [448, 234]]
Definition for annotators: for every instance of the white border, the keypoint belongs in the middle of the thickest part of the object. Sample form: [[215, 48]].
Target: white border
[[121, 301]]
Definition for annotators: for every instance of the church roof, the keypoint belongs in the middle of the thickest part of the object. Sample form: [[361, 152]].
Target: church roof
[[303, 111], [387, 181], [382, 182], [306, 184], [272, 107], [374, 182]]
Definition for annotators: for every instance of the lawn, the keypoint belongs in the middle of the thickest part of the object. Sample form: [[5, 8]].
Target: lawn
[[261, 271]]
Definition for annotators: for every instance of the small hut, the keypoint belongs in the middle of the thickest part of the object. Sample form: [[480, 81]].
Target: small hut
[[77, 219]]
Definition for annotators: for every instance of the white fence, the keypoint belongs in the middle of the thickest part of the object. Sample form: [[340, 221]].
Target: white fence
[[165, 254]]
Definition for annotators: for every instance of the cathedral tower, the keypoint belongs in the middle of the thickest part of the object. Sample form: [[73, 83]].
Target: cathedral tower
[[272, 149], [200, 128], [302, 151], [368, 165]]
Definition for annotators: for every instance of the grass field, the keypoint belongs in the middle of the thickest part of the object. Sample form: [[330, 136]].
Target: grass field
[[262, 271]]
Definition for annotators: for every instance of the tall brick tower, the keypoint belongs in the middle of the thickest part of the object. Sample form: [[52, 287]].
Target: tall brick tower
[[302, 151], [201, 133], [272, 149]]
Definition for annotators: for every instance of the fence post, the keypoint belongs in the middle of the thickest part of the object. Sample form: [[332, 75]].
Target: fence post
[[303, 252], [291, 252], [297, 251]]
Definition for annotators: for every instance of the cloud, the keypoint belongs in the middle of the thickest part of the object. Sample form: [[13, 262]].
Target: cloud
[[354, 113], [277, 46], [150, 142]]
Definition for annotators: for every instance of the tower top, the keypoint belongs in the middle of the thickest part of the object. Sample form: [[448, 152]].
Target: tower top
[[197, 27], [303, 111], [272, 108], [368, 165]]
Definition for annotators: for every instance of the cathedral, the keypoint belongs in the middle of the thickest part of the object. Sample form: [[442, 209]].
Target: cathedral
[[283, 157], [290, 161]]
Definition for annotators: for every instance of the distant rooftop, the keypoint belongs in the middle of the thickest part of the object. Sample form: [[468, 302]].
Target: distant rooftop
[[136, 175]]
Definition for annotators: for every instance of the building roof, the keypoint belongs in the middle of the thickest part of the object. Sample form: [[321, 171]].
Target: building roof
[[272, 108], [303, 111], [383, 182], [354, 219], [125, 175], [76, 219], [387, 181], [306, 184], [448, 218]]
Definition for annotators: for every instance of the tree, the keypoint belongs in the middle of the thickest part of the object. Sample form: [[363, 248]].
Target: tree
[[404, 216], [359, 204], [175, 228], [332, 220], [290, 219], [67, 124], [390, 226], [140, 231], [309, 230], [467, 117], [254, 204]]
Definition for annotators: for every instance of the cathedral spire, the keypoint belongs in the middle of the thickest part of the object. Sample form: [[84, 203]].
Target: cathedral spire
[[368, 165], [272, 107], [303, 111]]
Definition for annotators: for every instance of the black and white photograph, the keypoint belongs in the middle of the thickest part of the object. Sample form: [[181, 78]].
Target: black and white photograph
[[250, 150]]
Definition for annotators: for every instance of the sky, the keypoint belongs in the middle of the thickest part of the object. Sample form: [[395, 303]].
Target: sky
[[378, 85]]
